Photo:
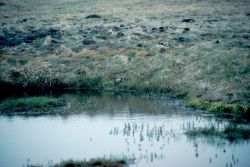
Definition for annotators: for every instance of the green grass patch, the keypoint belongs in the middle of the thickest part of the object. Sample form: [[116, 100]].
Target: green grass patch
[[30, 103], [214, 106]]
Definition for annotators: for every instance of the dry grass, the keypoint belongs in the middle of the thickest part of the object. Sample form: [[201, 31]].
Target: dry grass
[[151, 46]]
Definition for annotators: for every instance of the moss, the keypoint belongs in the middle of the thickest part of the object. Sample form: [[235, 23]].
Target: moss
[[197, 103], [30, 103], [214, 106]]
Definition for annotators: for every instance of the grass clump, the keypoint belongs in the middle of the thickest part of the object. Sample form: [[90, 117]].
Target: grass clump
[[101, 162], [92, 162], [230, 132], [30, 103], [214, 106], [11, 61]]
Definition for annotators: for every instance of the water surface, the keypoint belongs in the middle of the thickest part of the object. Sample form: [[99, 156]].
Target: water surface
[[146, 131]]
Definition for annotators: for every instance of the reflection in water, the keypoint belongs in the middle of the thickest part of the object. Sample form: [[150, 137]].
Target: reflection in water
[[145, 137], [220, 135], [147, 131]]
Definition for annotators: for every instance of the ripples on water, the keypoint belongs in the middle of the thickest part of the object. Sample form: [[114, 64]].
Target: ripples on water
[[146, 131]]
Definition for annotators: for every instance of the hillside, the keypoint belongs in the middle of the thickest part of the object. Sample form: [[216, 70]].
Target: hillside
[[196, 49]]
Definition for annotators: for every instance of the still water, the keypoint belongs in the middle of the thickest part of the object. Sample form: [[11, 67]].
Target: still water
[[146, 131]]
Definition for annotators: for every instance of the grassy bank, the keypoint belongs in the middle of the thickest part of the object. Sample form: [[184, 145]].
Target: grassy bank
[[219, 107], [194, 50], [29, 104]]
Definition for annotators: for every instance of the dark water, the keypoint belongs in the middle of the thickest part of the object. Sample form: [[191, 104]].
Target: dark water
[[146, 131]]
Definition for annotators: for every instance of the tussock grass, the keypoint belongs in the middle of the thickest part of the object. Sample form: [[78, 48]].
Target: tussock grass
[[30, 103], [214, 106]]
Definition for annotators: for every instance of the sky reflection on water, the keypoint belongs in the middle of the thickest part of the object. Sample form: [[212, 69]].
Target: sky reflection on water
[[149, 132]]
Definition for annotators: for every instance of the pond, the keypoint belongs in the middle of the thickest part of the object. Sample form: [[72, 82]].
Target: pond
[[147, 131]]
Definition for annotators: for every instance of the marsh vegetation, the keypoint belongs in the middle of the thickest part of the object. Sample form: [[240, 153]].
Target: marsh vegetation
[[41, 103], [91, 163], [230, 132]]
